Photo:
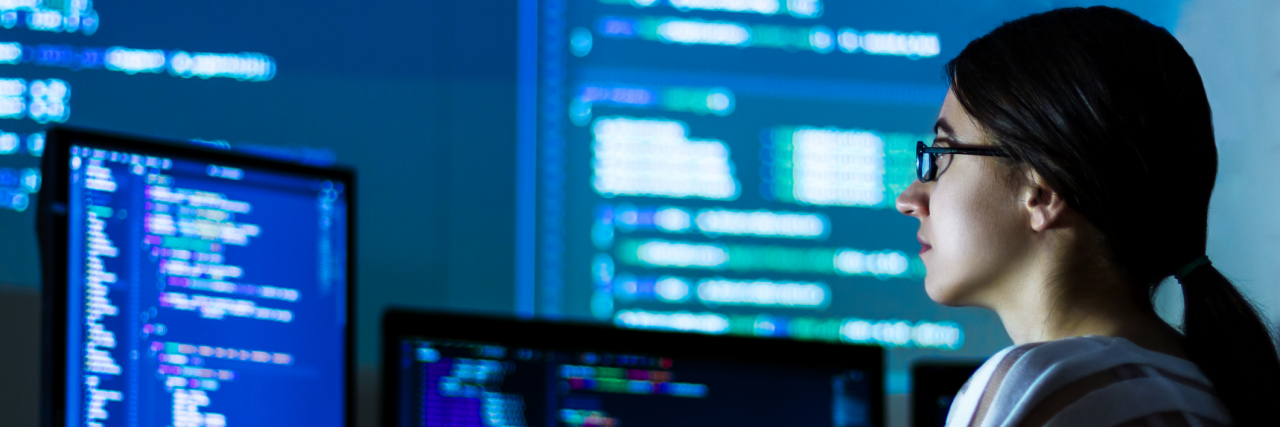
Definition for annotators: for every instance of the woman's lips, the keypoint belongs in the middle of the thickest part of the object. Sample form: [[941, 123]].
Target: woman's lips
[[923, 246]]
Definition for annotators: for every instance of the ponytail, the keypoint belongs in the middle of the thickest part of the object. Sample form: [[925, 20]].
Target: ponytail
[[1228, 340]]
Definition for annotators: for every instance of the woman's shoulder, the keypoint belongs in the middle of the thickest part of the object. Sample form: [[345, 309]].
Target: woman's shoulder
[[1085, 380], [1072, 358]]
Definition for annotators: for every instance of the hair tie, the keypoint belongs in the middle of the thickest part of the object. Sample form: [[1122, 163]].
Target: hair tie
[[1192, 266]]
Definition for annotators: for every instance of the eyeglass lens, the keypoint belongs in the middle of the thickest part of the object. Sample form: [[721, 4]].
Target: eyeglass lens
[[926, 164]]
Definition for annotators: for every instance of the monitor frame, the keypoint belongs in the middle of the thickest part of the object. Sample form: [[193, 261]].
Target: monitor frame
[[570, 336], [52, 234]]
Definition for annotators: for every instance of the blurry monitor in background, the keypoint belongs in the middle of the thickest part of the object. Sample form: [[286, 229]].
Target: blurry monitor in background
[[934, 384], [736, 162], [458, 371], [192, 287]]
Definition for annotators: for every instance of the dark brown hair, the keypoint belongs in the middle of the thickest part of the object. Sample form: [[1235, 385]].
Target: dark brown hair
[[1110, 111]]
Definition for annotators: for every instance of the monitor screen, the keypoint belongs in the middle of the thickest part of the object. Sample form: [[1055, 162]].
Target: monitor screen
[[472, 372], [934, 386], [731, 167], [201, 289]]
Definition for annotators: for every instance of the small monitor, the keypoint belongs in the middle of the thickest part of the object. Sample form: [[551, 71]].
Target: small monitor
[[186, 286], [934, 386], [458, 371]]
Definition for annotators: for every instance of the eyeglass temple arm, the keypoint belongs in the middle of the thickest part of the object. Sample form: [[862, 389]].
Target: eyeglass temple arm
[[969, 151]]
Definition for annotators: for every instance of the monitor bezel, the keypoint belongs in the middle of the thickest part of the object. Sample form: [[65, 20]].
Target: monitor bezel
[[52, 232], [400, 324]]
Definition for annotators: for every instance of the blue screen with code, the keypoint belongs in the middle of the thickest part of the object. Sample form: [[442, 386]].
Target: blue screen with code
[[203, 294]]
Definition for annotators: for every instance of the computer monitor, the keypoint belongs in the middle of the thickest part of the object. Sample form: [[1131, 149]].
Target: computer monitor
[[186, 286], [442, 370], [934, 386]]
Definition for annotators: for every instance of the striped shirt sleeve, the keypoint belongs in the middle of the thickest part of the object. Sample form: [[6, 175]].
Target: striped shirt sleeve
[[1099, 381]]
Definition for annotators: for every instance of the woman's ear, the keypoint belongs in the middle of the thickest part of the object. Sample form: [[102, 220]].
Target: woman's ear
[[1045, 207]]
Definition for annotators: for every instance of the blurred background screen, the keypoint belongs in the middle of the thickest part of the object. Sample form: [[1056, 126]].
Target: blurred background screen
[[730, 167]]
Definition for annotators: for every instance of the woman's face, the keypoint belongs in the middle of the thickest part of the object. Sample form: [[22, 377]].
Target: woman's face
[[971, 228]]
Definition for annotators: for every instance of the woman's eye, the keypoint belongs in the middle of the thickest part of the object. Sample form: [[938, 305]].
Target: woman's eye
[[942, 161]]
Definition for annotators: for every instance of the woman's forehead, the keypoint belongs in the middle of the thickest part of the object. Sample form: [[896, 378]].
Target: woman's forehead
[[956, 123]]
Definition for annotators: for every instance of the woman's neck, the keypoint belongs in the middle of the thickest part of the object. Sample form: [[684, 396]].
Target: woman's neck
[[1055, 302]]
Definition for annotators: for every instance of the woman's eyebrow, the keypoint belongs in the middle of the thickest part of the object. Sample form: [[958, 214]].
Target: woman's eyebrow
[[943, 125]]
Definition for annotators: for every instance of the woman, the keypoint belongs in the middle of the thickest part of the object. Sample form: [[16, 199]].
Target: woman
[[1070, 175]]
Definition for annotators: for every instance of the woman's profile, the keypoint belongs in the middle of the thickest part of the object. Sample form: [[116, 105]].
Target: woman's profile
[[1071, 174]]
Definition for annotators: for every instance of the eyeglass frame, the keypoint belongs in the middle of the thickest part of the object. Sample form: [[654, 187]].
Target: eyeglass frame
[[932, 173]]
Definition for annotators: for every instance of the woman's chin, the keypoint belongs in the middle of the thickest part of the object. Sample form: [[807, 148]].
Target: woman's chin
[[943, 292]]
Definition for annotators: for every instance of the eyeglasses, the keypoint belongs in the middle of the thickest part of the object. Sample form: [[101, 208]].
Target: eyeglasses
[[927, 158]]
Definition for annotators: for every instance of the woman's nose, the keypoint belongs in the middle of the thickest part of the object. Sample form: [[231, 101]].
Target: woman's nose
[[914, 201]]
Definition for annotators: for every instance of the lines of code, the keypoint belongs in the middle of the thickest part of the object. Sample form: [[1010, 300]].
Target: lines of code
[[454, 384], [48, 100], [731, 167], [210, 297]]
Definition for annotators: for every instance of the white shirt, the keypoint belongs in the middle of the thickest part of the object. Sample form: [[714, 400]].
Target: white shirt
[[1086, 381]]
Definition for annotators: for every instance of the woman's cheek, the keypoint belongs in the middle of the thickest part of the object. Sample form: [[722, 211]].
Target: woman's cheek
[[966, 232], [947, 257]]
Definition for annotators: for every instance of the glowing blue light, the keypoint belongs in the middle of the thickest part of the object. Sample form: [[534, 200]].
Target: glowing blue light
[[12, 104], [805, 8], [704, 32], [623, 95], [763, 293], [35, 144], [428, 355], [708, 323], [913, 45], [45, 20], [617, 27], [763, 223], [822, 39], [69, 16], [579, 112], [881, 264], [226, 172], [30, 180], [602, 269], [687, 390], [13, 87], [672, 220], [653, 157], [910, 45], [763, 7], [14, 5], [580, 42], [8, 143], [132, 61], [49, 102], [837, 167], [12, 107], [720, 101], [14, 200], [246, 66], [672, 254], [54, 56], [900, 333], [601, 305], [10, 53], [947, 335], [671, 289], [89, 22]]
